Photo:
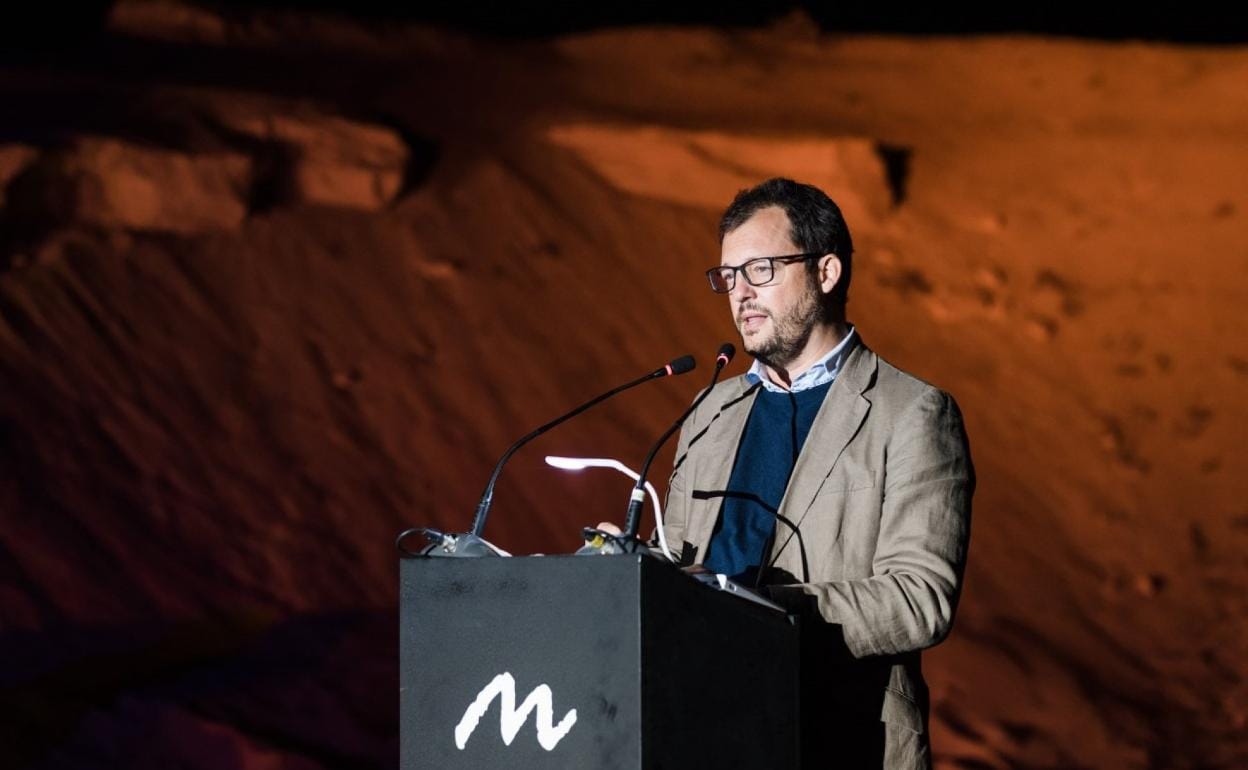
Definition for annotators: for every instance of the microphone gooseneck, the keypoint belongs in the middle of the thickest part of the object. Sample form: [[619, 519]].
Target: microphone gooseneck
[[638, 496], [674, 367]]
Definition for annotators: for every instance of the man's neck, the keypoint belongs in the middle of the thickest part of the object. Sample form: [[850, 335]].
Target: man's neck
[[823, 338]]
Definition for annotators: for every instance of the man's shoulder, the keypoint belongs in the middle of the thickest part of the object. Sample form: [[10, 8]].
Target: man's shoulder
[[896, 389], [727, 391], [911, 411], [895, 381]]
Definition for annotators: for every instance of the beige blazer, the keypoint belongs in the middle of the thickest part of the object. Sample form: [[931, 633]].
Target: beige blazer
[[881, 494]]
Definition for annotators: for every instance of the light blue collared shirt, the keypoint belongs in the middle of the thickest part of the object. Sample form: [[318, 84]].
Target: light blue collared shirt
[[821, 371]]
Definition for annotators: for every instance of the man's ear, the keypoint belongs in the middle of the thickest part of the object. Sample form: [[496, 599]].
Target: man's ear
[[829, 272]]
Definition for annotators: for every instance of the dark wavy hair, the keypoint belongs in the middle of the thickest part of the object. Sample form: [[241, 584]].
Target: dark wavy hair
[[815, 224]]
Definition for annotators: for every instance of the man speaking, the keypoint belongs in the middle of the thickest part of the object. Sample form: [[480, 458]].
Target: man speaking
[[837, 483]]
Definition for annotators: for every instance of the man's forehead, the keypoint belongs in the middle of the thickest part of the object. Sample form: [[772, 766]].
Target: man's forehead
[[765, 234]]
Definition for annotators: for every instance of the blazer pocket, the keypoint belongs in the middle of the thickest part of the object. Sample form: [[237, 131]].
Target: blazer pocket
[[833, 488], [850, 474], [900, 710]]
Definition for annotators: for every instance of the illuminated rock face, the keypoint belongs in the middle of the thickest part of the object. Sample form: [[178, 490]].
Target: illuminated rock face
[[111, 184], [274, 287], [332, 161]]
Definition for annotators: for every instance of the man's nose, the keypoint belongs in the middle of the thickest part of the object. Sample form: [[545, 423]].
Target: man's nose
[[741, 289]]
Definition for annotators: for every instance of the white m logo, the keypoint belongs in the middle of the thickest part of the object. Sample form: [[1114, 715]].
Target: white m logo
[[510, 718]]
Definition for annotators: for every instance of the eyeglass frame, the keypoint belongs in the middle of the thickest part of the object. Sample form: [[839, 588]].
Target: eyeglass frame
[[786, 259]]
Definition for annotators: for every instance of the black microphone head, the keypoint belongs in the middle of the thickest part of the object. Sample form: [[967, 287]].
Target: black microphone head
[[681, 365], [725, 354]]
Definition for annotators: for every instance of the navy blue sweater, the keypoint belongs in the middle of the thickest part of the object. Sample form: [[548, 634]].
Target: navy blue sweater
[[770, 445]]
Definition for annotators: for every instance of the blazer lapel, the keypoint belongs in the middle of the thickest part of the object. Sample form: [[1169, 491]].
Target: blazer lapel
[[837, 421], [719, 442]]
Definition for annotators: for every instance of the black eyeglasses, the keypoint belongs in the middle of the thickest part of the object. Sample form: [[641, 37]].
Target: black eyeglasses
[[758, 272]]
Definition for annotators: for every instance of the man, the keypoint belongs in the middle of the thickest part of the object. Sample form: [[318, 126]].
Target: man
[[866, 468]]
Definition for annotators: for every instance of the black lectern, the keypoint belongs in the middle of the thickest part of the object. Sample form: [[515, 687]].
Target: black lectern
[[587, 662]]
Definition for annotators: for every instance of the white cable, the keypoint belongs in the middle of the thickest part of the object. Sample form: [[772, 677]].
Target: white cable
[[580, 463]]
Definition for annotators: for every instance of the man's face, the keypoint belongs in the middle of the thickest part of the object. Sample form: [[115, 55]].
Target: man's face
[[775, 320]]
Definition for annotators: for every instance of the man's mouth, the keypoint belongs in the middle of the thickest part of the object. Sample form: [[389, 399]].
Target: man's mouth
[[751, 321]]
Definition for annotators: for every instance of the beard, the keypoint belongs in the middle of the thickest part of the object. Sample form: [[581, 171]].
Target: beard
[[790, 332]]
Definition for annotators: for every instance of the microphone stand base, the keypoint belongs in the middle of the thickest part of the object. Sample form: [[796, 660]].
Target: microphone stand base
[[600, 543], [447, 545]]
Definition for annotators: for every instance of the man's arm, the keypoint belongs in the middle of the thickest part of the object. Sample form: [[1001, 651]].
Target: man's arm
[[909, 601]]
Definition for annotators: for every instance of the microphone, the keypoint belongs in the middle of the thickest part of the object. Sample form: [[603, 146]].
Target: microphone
[[471, 543], [628, 540], [699, 494]]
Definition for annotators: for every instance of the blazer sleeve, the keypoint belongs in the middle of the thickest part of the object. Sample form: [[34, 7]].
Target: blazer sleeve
[[908, 603]]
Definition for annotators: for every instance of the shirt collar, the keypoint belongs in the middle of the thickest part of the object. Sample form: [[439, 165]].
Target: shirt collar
[[819, 373]]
